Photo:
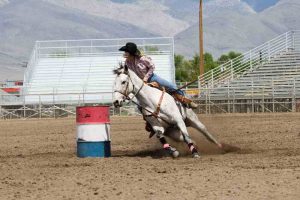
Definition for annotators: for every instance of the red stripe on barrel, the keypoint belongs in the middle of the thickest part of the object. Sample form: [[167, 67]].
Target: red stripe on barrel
[[92, 114]]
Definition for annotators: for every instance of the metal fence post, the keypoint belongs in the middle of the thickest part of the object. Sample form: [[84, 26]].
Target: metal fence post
[[209, 101], [231, 68], [286, 41], [212, 77], [293, 40], [206, 99], [263, 100], [250, 59], [294, 97], [269, 53], [252, 97], [24, 109], [228, 102], [40, 107], [233, 103], [273, 100]]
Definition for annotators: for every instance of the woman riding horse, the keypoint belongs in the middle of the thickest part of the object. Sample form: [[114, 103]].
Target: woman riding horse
[[143, 67]]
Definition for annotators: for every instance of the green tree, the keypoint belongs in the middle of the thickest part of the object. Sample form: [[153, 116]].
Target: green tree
[[233, 55], [227, 57], [209, 62], [194, 71], [188, 70], [180, 68]]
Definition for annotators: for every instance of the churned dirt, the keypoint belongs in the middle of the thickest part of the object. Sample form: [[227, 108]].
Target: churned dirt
[[38, 161]]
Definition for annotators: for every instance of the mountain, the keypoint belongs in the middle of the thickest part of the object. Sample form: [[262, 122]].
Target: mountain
[[228, 24], [260, 5], [24, 22], [216, 7], [229, 30], [150, 15]]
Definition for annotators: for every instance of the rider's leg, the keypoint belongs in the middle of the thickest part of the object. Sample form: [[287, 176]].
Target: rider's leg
[[164, 83], [179, 94]]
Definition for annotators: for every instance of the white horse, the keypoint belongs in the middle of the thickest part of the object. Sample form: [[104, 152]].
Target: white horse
[[160, 110]]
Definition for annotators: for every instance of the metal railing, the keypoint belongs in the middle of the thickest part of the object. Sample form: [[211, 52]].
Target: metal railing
[[256, 57], [251, 99], [95, 47]]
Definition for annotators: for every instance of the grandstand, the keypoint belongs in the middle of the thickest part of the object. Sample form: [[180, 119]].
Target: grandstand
[[63, 74], [81, 70], [265, 79]]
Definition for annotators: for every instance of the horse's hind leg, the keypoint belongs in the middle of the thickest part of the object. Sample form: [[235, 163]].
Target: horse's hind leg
[[193, 121]]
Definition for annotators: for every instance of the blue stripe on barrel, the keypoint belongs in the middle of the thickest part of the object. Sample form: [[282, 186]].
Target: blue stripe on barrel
[[93, 149]]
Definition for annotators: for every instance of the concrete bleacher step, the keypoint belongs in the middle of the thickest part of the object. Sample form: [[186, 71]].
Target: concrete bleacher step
[[278, 78]]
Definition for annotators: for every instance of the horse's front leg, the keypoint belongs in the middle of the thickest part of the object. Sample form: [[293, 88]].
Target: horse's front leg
[[159, 130]]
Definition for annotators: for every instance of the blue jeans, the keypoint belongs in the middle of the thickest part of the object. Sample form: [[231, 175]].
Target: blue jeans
[[164, 83]]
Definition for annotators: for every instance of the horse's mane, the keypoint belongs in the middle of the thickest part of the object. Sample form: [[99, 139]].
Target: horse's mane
[[119, 70]]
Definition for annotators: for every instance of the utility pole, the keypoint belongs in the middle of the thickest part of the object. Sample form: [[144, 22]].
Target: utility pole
[[201, 51]]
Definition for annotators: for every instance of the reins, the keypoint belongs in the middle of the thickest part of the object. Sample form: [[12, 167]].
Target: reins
[[185, 85], [126, 94]]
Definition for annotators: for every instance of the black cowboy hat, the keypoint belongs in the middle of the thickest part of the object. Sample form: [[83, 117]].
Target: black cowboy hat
[[131, 48]]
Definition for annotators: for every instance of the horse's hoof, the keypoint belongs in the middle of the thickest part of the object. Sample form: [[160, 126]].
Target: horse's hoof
[[172, 151], [175, 154], [196, 155]]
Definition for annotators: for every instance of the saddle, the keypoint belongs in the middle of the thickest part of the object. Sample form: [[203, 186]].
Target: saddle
[[180, 98]]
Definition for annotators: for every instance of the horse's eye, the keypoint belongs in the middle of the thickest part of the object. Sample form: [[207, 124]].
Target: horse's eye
[[123, 82]]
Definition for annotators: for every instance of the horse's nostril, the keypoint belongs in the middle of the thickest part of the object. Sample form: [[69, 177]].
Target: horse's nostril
[[116, 104]]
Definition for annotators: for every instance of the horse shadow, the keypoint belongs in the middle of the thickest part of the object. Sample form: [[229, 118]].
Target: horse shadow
[[153, 153]]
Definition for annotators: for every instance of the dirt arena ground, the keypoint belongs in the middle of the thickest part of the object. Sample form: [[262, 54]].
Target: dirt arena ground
[[38, 161]]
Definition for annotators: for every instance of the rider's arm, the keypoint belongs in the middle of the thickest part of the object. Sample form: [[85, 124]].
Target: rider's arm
[[150, 65]]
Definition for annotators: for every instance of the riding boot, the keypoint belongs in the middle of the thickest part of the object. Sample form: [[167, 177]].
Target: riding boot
[[186, 101]]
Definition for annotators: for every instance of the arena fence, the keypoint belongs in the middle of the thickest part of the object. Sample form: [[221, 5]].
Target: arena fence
[[265, 79], [20, 109], [248, 61], [263, 102]]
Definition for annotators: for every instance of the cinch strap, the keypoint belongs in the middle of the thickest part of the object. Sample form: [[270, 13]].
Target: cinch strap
[[155, 114]]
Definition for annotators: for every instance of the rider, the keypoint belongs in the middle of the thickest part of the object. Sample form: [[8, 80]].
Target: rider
[[143, 67]]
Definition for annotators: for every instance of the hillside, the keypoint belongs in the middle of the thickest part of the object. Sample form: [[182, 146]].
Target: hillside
[[24, 22], [228, 24], [240, 32]]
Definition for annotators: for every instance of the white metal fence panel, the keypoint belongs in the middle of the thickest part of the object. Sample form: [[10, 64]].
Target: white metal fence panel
[[85, 66]]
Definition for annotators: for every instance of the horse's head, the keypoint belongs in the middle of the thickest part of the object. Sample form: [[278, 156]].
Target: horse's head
[[122, 86]]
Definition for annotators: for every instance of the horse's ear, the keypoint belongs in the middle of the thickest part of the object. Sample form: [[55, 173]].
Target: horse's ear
[[116, 71]]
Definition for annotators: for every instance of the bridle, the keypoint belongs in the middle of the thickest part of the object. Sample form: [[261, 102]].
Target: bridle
[[126, 93]]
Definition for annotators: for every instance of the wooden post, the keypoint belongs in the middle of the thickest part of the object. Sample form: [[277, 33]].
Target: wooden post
[[201, 39]]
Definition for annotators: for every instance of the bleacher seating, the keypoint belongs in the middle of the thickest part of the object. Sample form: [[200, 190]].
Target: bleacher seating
[[74, 77], [278, 78]]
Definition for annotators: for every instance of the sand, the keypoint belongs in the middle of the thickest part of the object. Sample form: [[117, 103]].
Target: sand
[[38, 161]]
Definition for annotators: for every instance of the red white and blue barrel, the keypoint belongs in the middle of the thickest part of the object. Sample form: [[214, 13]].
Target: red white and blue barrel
[[93, 131]]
